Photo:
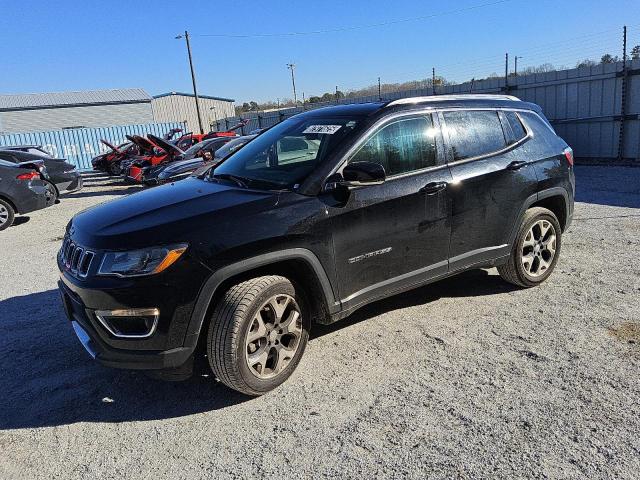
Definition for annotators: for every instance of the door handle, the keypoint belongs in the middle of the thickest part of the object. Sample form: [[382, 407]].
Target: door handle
[[516, 165], [432, 188]]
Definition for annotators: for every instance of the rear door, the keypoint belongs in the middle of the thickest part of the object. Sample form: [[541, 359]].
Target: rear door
[[389, 236], [492, 177]]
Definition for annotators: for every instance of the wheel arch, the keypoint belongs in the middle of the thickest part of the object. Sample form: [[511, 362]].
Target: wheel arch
[[555, 199], [300, 265], [10, 202]]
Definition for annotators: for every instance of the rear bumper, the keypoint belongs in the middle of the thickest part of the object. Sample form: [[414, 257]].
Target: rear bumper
[[75, 185], [34, 199]]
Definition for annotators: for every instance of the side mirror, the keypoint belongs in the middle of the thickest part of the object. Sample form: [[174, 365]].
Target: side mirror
[[357, 174], [363, 173]]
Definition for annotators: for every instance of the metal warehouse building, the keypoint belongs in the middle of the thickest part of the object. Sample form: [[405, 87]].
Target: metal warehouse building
[[181, 107], [34, 112]]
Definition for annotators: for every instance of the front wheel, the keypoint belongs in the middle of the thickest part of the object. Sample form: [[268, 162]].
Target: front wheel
[[257, 334], [114, 169], [536, 249]]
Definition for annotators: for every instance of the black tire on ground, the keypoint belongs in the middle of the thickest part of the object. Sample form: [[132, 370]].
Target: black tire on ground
[[233, 317], [7, 214], [114, 169], [52, 193], [514, 271]]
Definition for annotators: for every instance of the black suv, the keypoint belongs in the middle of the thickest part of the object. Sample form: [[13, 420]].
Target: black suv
[[323, 213]]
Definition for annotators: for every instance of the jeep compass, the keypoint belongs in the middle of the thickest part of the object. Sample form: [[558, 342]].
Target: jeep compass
[[321, 214]]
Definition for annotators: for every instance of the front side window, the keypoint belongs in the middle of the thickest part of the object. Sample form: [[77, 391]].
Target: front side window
[[473, 133], [402, 146], [286, 154]]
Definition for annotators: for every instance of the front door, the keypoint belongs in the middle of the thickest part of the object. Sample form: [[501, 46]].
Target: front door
[[396, 234]]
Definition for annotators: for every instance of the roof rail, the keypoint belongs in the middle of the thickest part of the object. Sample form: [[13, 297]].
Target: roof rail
[[439, 98]]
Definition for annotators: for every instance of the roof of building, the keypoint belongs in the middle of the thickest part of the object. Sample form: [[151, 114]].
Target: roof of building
[[29, 101], [182, 94]]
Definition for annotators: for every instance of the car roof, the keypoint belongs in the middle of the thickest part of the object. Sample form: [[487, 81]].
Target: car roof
[[462, 100], [352, 109], [15, 147]]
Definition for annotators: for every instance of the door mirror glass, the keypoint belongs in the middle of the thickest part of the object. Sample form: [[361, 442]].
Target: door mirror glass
[[363, 173]]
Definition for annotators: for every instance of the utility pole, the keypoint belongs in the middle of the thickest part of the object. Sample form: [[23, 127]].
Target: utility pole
[[433, 80], [303, 102], [292, 67], [515, 65], [193, 79], [623, 95], [379, 90], [336, 93], [506, 71]]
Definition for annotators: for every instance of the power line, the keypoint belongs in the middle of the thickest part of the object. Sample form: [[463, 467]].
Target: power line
[[354, 27]]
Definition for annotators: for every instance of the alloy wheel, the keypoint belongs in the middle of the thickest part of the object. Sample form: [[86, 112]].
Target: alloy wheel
[[273, 337], [4, 215], [539, 248]]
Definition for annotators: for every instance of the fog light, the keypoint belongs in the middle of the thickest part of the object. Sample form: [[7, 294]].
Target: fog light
[[129, 323]]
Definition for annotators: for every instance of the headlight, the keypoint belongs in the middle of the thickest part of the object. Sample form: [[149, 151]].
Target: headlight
[[135, 263]]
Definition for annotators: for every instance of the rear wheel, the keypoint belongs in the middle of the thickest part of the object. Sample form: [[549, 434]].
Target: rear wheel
[[7, 215], [257, 334], [51, 193], [535, 252]]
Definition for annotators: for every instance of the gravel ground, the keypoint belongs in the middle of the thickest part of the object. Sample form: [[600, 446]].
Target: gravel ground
[[466, 378]]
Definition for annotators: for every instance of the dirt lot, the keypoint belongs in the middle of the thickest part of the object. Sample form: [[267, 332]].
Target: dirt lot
[[465, 378]]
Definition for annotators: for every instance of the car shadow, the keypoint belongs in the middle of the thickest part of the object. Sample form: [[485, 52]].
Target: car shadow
[[20, 220], [48, 379], [472, 283], [118, 189]]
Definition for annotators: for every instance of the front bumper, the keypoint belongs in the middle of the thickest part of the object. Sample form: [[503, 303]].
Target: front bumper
[[106, 354], [167, 346]]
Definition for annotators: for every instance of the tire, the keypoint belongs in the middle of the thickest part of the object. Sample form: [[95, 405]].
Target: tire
[[7, 215], [114, 169], [236, 318], [52, 193], [522, 268]]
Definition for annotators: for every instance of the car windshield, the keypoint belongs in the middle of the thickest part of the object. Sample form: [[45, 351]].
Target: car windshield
[[286, 154]]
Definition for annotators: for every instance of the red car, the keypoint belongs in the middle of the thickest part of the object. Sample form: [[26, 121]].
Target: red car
[[149, 154]]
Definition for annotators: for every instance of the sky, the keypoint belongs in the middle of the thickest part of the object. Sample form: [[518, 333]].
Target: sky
[[62, 45]]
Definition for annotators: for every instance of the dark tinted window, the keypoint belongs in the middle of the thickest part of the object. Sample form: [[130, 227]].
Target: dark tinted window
[[402, 146], [8, 158], [474, 133], [517, 128]]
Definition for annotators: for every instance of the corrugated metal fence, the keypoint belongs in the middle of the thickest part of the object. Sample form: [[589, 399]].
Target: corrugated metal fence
[[583, 104], [80, 145]]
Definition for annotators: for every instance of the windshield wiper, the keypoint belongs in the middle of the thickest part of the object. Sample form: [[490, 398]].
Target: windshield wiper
[[240, 181]]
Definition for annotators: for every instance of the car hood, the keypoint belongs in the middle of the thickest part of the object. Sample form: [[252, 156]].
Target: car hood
[[166, 214], [182, 166]]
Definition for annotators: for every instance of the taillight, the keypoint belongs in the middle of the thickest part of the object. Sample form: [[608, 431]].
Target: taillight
[[568, 153], [28, 176]]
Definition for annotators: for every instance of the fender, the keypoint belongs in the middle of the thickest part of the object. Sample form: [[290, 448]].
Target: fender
[[549, 192], [215, 280]]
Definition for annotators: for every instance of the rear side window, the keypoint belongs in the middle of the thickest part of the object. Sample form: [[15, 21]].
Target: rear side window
[[402, 146], [517, 129], [474, 133]]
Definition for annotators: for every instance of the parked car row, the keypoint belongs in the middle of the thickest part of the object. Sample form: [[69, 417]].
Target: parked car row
[[31, 179], [152, 160]]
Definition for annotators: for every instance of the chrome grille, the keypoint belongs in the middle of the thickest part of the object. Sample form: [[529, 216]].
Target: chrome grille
[[76, 259]]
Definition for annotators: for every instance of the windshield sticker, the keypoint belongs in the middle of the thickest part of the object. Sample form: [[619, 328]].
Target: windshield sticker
[[326, 129]]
